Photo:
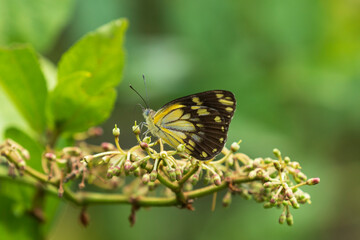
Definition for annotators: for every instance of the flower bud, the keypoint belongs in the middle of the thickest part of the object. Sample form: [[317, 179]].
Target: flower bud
[[163, 154], [136, 172], [295, 165], [301, 176], [252, 174], [136, 129], [277, 165], [286, 160], [144, 145], [181, 148], [50, 156], [282, 218], [107, 146], [207, 178], [127, 166], [289, 219], [257, 162], [194, 179], [270, 184], [216, 179], [273, 200], [153, 176], [116, 131], [277, 153], [267, 160], [227, 199], [172, 174], [289, 193], [145, 178], [313, 181], [234, 147], [245, 194], [105, 159], [116, 171], [294, 202], [147, 140], [268, 205], [178, 174]]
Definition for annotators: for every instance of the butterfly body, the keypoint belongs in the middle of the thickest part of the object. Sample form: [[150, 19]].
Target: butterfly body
[[200, 121]]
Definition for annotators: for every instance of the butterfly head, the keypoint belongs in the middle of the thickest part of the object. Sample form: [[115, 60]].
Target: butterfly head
[[147, 112]]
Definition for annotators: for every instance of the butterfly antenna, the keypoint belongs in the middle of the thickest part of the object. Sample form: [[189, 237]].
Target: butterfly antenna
[[146, 91], [147, 106]]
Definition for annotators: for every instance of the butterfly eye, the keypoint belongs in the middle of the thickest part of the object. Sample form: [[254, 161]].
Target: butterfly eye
[[146, 112]]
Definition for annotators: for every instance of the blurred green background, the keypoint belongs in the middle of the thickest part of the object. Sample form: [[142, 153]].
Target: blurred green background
[[294, 67]]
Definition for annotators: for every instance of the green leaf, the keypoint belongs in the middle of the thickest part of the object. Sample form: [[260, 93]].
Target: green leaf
[[73, 109], [101, 54], [24, 82], [37, 22], [87, 74], [35, 148]]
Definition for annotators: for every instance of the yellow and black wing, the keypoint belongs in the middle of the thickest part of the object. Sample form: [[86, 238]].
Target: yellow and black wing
[[201, 121]]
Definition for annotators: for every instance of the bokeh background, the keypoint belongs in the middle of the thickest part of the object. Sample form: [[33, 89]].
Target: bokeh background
[[294, 67]]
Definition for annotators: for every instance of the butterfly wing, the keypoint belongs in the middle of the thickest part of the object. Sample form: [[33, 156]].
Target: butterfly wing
[[199, 120]]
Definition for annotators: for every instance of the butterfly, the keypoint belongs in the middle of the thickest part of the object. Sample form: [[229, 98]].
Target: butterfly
[[199, 121]]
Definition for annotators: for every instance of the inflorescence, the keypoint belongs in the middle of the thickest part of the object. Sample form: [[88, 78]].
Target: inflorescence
[[174, 177]]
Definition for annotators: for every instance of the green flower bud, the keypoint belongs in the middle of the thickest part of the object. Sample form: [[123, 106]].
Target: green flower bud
[[136, 172], [178, 174], [136, 129], [172, 174], [294, 202], [268, 205], [163, 154], [277, 153], [295, 165], [194, 179], [286, 160], [257, 162], [267, 160], [252, 174], [289, 219], [301, 176], [282, 218], [116, 131], [227, 199], [147, 140], [277, 165], [207, 178], [134, 166], [234, 147], [153, 176], [181, 148], [145, 178], [217, 179]]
